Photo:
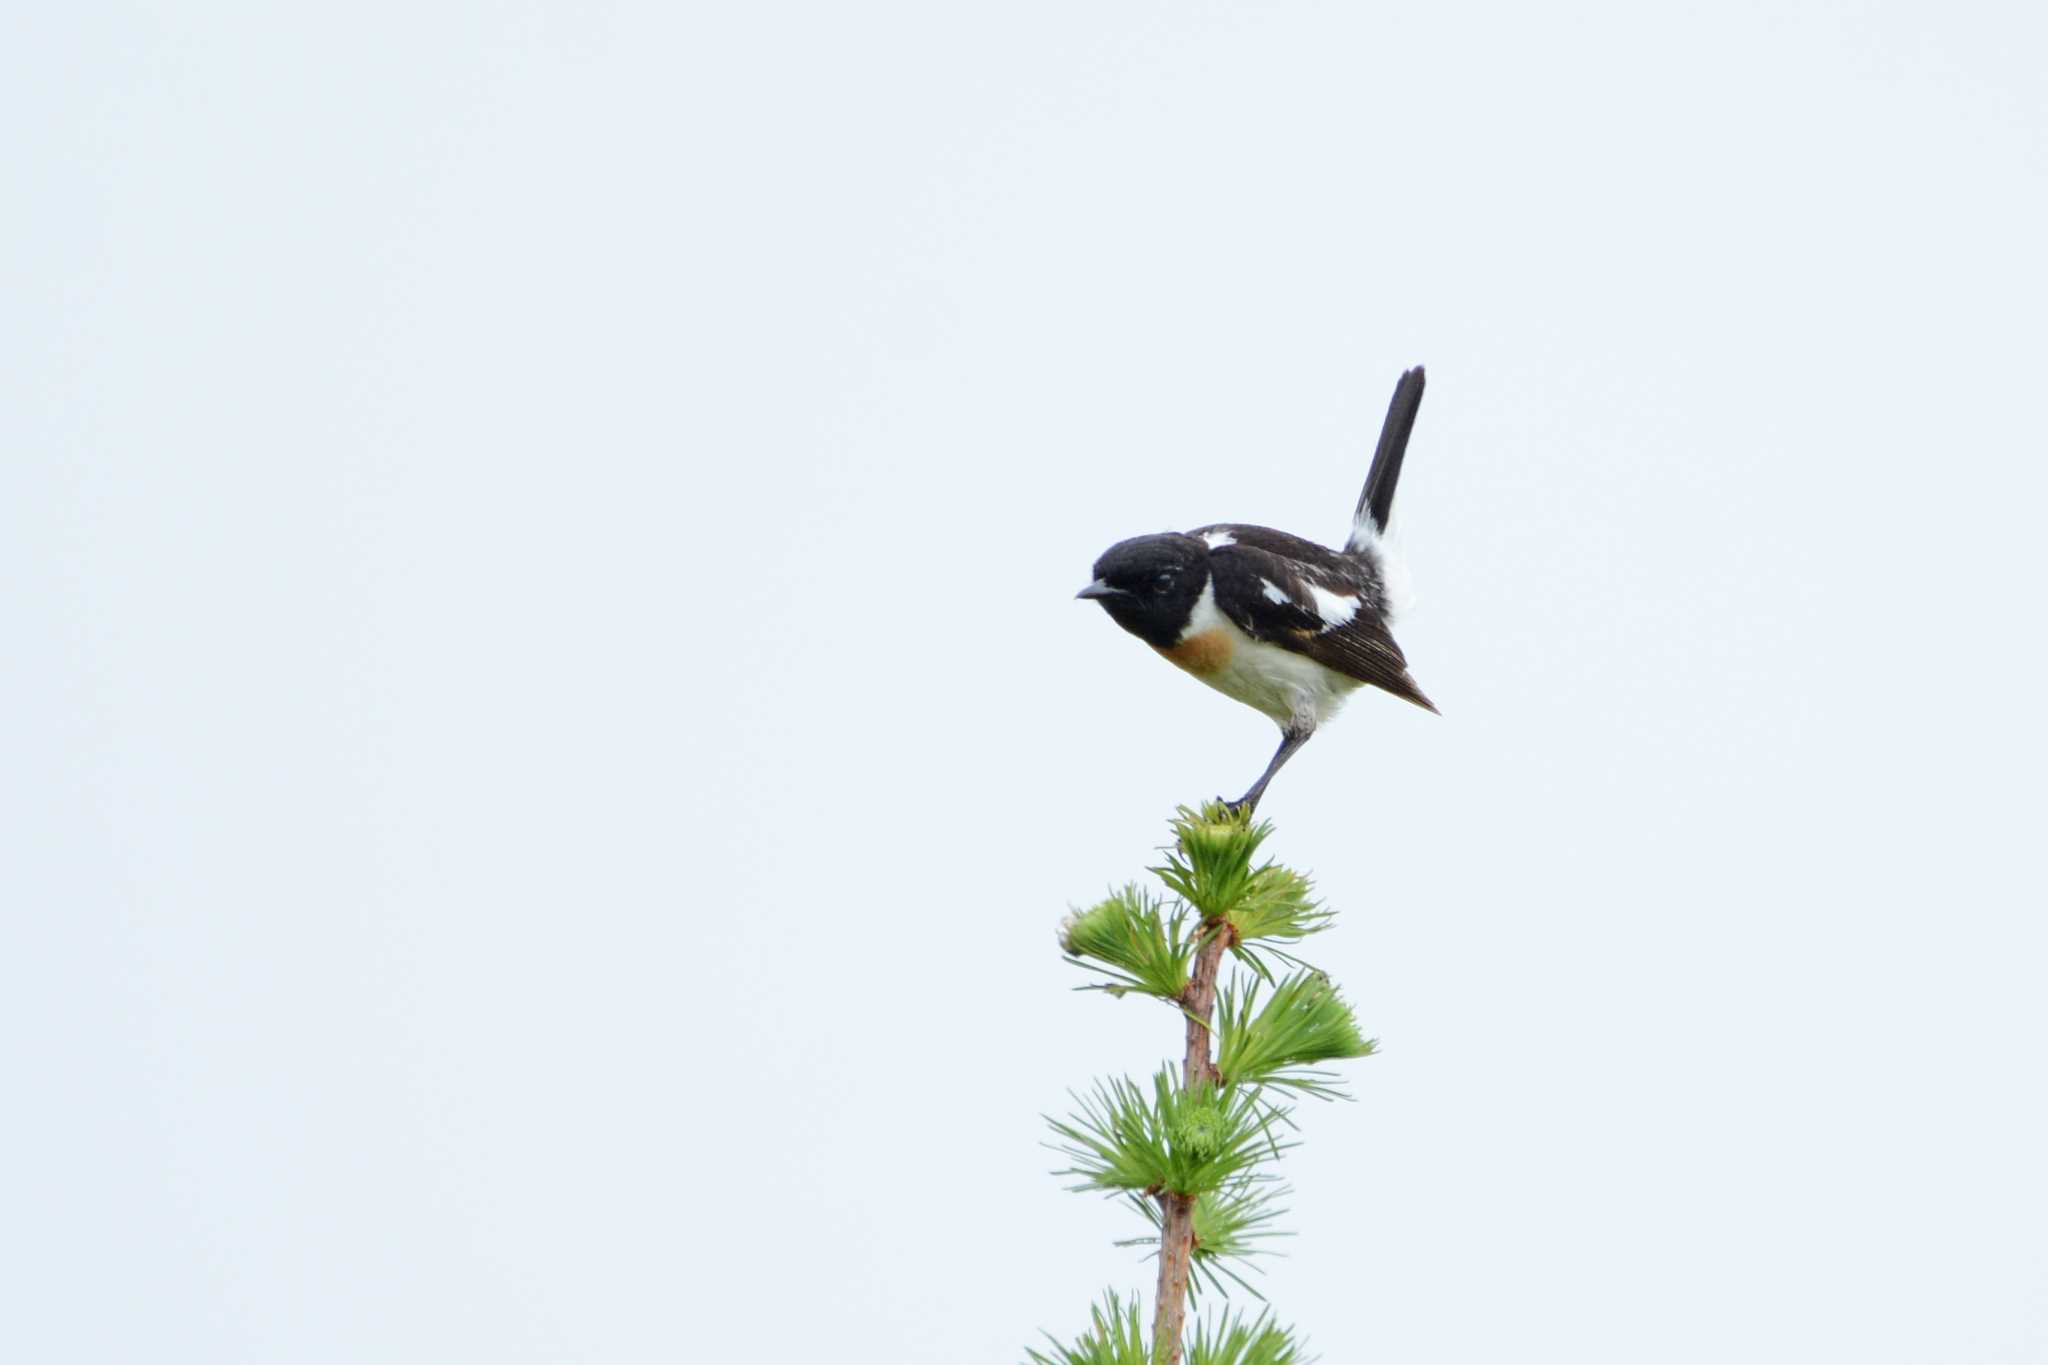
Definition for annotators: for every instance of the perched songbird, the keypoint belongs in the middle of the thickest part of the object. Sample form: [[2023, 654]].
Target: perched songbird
[[1280, 623]]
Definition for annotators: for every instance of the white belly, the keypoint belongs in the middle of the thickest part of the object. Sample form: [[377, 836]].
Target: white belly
[[1292, 688]]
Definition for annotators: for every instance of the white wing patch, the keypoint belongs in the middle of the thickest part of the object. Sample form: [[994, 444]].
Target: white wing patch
[[1274, 592], [1216, 540], [1334, 608]]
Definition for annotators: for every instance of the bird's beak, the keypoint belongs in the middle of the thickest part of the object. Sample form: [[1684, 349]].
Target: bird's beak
[[1101, 589]]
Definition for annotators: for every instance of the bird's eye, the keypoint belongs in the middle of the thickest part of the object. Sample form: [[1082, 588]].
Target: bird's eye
[[1164, 580]]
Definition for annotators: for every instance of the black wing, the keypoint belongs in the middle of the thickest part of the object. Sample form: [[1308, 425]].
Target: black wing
[[1289, 592], [1361, 648]]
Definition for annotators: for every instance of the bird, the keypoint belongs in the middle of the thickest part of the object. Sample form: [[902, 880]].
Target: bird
[[1282, 624]]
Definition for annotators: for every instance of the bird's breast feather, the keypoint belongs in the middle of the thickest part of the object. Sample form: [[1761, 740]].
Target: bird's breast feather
[[1201, 652]]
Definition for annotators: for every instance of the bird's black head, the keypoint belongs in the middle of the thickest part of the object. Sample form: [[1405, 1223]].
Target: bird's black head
[[1149, 585]]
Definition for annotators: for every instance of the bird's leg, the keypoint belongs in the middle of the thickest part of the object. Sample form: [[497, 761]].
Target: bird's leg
[[1291, 738]]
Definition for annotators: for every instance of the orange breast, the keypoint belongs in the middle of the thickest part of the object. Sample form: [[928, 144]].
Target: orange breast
[[1201, 654]]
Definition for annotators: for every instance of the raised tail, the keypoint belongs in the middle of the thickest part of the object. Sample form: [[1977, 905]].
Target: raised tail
[[1376, 502]]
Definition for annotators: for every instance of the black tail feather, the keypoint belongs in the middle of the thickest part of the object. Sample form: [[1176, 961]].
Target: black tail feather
[[1377, 500]]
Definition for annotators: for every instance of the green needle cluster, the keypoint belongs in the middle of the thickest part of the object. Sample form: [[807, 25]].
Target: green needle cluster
[[1179, 1141], [1233, 1341], [1116, 1336], [1278, 904], [1133, 941], [1210, 868], [1229, 1225], [1304, 1022], [1210, 862]]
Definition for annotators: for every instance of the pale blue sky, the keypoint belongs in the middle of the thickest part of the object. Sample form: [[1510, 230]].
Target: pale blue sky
[[546, 735]]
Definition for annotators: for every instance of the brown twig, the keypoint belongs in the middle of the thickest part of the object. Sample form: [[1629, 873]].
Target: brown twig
[[1177, 1224]]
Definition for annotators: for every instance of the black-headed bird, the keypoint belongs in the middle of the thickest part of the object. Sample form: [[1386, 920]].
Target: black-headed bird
[[1281, 624]]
